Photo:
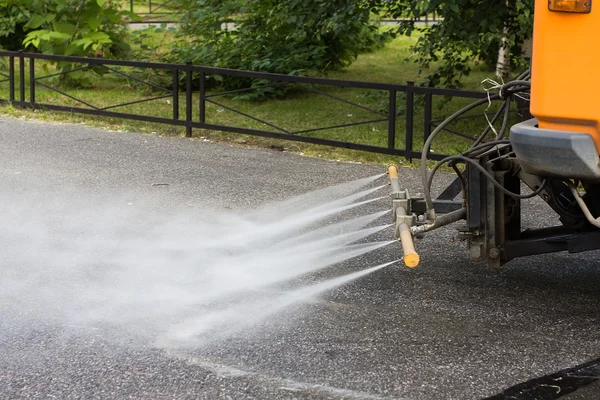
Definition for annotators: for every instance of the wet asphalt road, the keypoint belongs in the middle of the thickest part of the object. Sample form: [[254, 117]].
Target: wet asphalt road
[[451, 329]]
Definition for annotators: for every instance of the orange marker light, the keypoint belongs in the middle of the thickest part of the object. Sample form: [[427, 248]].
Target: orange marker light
[[575, 6]]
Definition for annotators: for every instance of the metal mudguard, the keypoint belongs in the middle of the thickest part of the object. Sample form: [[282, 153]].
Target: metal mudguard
[[552, 153]]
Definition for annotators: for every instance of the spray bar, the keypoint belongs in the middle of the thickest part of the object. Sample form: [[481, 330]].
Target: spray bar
[[404, 219], [392, 171], [411, 258]]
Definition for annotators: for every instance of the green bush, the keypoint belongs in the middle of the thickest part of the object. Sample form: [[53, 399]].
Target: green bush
[[470, 30], [89, 28], [13, 18], [81, 28], [280, 36]]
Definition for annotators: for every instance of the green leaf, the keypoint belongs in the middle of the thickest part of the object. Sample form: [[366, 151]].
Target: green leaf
[[72, 49], [101, 2], [97, 36], [113, 16], [65, 27], [77, 74], [131, 15], [35, 22], [32, 39], [61, 5], [94, 22], [58, 36]]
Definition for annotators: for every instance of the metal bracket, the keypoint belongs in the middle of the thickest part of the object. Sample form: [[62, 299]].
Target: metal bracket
[[402, 206]]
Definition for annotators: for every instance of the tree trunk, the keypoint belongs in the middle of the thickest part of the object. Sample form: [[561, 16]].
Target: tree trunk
[[503, 64]]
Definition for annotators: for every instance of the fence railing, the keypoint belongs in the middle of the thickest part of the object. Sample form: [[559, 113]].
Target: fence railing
[[426, 19], [183, 89], [154, 10], [165, 11]]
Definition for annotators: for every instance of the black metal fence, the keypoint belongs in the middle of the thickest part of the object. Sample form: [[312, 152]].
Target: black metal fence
[[426, 19], [154, 10], [164, 11], [184, 89]]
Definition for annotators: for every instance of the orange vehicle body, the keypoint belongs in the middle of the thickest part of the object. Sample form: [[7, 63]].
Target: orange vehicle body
[[565, 71]]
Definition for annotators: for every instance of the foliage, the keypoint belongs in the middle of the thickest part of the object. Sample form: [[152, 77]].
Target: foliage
[[469, 29], [77, 28], [72, 27], [151, 45], [281, 36], [13, 17]]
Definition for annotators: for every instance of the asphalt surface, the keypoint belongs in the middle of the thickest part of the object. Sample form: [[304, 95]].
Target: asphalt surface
[[450, 329]]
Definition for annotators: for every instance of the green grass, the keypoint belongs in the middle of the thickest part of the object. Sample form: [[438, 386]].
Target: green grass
[[301, 110], [392, 65]]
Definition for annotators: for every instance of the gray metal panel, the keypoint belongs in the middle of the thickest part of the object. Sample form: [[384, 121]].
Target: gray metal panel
[[552, 153]]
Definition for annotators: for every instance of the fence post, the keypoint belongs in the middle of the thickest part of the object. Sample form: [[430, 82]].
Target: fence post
[[31, 81], [202, 89], [11, 77], [392, 120], [410, 101], [427, 117], [21, 78], [188, 100], [175, 94]]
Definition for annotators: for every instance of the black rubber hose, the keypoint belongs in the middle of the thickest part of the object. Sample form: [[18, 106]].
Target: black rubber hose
[[438, 129], [487, 175]]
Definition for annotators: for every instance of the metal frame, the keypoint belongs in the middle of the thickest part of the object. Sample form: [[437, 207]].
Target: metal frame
[[551, 240], [195, 115], [493, 225]]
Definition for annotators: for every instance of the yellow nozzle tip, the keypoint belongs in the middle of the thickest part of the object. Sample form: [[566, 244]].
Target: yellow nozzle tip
[[411, 260], [392, 171]]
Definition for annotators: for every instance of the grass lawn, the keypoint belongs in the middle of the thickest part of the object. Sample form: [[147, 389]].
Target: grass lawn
[[302, 110]]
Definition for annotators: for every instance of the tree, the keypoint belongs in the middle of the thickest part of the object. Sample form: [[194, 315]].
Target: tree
[[283, 36], [13, 16], [76, 27], [67, 27], [490, 31]]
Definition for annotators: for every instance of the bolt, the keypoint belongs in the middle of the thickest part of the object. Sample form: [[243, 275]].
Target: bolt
[[421, 218], [494, 253]]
